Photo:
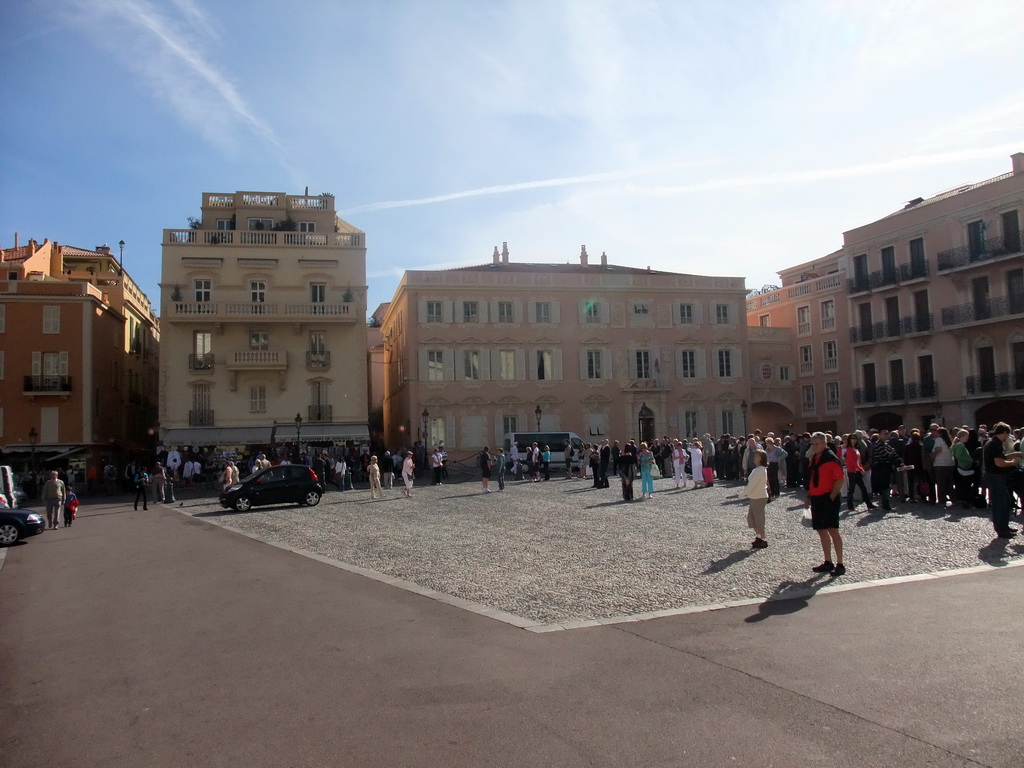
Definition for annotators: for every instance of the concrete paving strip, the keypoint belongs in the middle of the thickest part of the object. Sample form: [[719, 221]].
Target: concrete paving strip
[[537, 627]]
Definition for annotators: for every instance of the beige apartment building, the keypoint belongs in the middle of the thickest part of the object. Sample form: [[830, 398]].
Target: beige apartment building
[[264, 318], [79, 351], [602, 350], [803, 379], [936, 306]]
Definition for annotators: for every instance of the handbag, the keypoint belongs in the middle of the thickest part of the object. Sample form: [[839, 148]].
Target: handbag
[[924, 488], [655, 471], [709, 475]]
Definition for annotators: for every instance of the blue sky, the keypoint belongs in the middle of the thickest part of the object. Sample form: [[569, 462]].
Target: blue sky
[[729, 138]]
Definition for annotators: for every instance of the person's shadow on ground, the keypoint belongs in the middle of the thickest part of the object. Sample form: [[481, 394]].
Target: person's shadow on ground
[[997, 550], [788, 597], [717, 566]]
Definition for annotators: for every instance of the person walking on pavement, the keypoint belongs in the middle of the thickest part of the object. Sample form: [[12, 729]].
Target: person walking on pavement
[[825, 483], [757, 495], [499, 468], [485, 470], [998, 464], [409, 473], [54, 493], [376, 492], [159, 479], [141, 489]]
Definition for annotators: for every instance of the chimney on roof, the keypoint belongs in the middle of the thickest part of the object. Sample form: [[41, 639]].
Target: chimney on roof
[[1018, 162], [494, 256], [104, 249], [604, 259], [583, 255], [504, 253]]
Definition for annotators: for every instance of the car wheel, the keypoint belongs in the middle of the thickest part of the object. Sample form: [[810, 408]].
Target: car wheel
[[9, 534], [243, 504], [311, 499]]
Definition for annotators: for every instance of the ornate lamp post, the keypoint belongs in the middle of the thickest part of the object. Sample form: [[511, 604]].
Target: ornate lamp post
[[298, 437], [120, 258], [743, 407], [537, 412], [426, 421]]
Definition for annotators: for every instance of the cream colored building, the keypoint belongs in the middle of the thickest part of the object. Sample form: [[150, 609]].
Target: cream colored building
[[936, 307], [594, 348], [800, 350], [264, 323]]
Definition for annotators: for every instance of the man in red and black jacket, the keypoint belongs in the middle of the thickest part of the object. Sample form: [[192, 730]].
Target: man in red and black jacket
[[824, 488]]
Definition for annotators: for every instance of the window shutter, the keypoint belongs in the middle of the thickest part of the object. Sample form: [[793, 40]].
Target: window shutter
[[521, 364], [485, 365], [37, 363], [494, 362], [62, 363], [556, 312], [459, 356], [583, 364], [423, 375], [698, 313], [606, 364], [459, 310], [557, 364], [422, 311], [446, 311], [517, 312], [701, 358], [493, 311], [583, 312], [449, 364]]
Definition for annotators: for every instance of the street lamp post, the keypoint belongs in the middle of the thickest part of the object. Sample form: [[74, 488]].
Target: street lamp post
[[426, 421], [120, 258], [298, 437], [537, 412], [743, 407]]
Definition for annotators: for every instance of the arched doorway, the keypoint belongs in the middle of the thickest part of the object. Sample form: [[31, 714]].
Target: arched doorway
[[1010, 411], [885, 420], [769, 416], [645, 424]]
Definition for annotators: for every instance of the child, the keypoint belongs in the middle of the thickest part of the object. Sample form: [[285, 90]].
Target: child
[[757, 492], [70, 508], [375, 479]]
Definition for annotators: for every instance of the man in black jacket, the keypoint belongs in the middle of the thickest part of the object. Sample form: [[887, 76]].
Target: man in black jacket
[[606, 457]]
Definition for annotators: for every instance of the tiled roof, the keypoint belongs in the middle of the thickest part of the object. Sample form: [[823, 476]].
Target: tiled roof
[[948, 193], [70, 250]]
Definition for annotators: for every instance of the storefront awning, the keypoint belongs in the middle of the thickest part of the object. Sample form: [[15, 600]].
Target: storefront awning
[[219, 436], [316, 433]]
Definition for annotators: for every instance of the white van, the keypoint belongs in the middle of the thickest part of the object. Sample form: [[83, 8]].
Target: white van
[[556, 441]]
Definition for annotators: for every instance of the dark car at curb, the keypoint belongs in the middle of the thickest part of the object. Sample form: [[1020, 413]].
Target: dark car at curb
[[17, 524], [283, 484]]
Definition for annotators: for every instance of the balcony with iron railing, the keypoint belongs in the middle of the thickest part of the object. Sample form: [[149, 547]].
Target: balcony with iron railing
[[249, 238], [983, 311], [991, 248], [320, 412], [806, 367], [318, 360], [258, 360], [995, 382], [894, 393], [200, 418], [211, 311], [891, 329], [47, 384], [884, 278], [831, 364], [828, 323], [201, 362]]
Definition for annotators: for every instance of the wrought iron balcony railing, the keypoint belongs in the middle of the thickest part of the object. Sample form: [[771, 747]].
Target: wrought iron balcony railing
[[895, 392], [992, 248], [47, 383], [203, 362], [996, 382], [890, 329], [979, 311], [321, 412], [200, 418], [883, 278], [317, 360]]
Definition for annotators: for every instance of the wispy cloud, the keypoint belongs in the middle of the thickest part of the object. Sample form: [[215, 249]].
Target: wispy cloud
[[200, 94]]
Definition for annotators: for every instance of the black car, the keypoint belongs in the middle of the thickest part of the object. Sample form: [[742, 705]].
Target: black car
[[295, 483], [18, 524]]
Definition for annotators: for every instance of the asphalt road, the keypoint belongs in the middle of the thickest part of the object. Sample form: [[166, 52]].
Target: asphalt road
[[154, 639]]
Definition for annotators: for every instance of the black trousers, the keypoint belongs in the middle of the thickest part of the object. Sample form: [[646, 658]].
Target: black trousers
[[773, 479], [141, 493], [853, 480]]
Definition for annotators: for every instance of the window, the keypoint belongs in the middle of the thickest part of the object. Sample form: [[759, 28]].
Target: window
[[471, 364], [51, 319], [807, 398], [260, 224], [505, 312], [257, 398], [888, 255], [594, 370], [832, 396], [318, 293], [641, 308], [976, 239], [318, 399], [722, 314], [545, 364], [509, 424], [806, 360], [831, 354], [765, 321], [686, 314], [204, 289], [435, 365], [506, 364], [257, 291], [688, 364], [434, 312], [259, 340], [785, 373], [803, 320], [725, 364], [317, 342], [543, 311], [593, 313], [642, 369], [202, 350], [201, 397], [828, 315], [691, 426], [470, 312], [307, 226], [727, 423]]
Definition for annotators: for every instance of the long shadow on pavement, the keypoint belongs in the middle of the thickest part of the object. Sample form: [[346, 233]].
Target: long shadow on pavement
[[716, 566], [788, 597], [997, 550]]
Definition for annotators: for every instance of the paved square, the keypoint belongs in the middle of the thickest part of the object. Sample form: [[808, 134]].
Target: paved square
[[561, 552]]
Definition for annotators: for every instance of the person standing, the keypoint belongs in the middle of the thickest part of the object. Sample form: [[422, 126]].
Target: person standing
[[54, 493], [943, 467], [485, 469], [409, 473], [545, 459], [825, 483], [605, 460], [756, 493], [436, 465], [159, 480], [855, 473], [499, 468], [884, 464], [376, 492], [697, 463], [141, 489], [679, 464], [387, 474], [627, 470], [646, 459], [998, 464], [776, 455]]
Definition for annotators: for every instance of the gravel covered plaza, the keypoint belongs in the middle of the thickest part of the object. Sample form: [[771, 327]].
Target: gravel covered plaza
[[562, 553]]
